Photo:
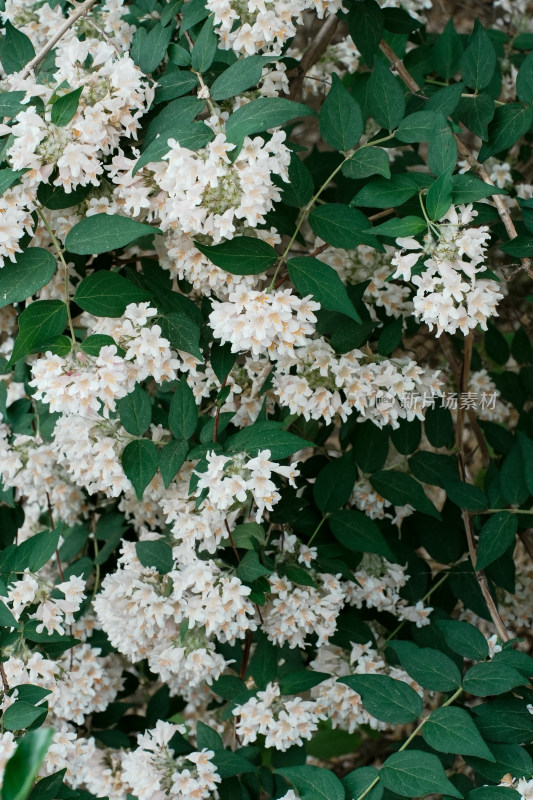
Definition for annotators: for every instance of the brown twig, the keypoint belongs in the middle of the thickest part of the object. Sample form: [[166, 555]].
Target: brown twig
[[503, 212], [467, 517], [314, 53], [5, 682], [79, 11], [380, 214]]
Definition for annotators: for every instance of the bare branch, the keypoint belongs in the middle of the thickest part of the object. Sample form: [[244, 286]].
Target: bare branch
[[314, 53]]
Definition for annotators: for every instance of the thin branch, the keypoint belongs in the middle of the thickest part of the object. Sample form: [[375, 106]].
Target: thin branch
[[78, 12], [314, 53], [503, 212]]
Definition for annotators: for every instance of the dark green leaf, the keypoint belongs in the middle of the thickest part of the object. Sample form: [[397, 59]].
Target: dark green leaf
[[476, 113], [135, 411], [36, 551], [313, 277], [103, 232], [358, 782], [469, 189], [314, 783], [341, 122], [464, 639], [238, 77], [23, 765], [466, 496], [243, 255], [65, 107], [496, 536], [21, 715], [266, 435], [367, 161], [250, 568], [400, 489], [301, 681], [171, 458], [299, 190], [174, 83], [382, 193], [39, 323], [412, 773], [524, 80], [140, 461], [407, 226], [261, 115], [417, 127], [510, 123], [205, 47], [385, 698], [385, 97], [439, 196], [430, 668], [491, 677], [33, 269], [16, 49], [365, 23], [358, 532], [478, 61], [106, 294], [447, 51], [334, 484], [182, 333], [154, 47], [340, 225], [452, 730], [183, 414], [192, 135], [442, 149], [155, 553]]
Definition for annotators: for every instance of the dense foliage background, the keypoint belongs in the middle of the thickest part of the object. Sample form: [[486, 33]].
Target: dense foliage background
[[266, 445]]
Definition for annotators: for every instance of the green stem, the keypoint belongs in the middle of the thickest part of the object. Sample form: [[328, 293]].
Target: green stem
[[316, 530], [59, 251], [306, 209], [508, 510], [408, 741]]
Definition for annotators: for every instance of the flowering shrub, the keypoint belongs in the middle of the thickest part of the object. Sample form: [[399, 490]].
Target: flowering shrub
[[266, 396]]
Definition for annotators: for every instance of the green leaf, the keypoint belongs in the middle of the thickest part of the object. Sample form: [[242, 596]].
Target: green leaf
[[399, 21], [446, 100], [400, 489], [357, 783], [250, 568], [512, 477], [229, 764], [48, 788], [439, 196], [7, 178], [35, 552], [169, 12], [341, 121], [154, 48], [476, 113], [367, 161], [299, 190], [38, 323], [266, 436], [510, 123], [94, 343], [430, 668], [442, 149], [385, 97], [417, 127], [358, 532], [524, 80], [452, 730], [365, 24], [174, 83], [140, 461], [135, 411], [313, 277], [192, 135], [491, 677], [24, 764], [505, 719], [509, 758], [238, 77], [261, 115], [248, 534], [464, 638], [478, 61], [243, 255], [171, 459], [519, 247], [7, 620], [466, 496], [56, 198], [407, 226], [183, 414], [496, 536], [33, 269], [222, 360], [334, 484], [104, 232], [340, 225], [106, 294], [382, 193], [314, 783], [447, 51], [182, 333], [385, 698], [412, 773], [301, 681], [11, 103], [493, 793], [155, 553], [469, 189], [205, 47], [65, 107], [16, 49], [21, 715]]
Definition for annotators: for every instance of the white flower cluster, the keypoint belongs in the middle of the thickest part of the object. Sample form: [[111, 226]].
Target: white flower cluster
[[52, 613], [450, 296], [204, 193], [154, 773], [273, 323], [338, 702], [315, 382], [377, 584], [177, 617], [523, 786], [340, 58], [231, 481], [263, 25], [283, 722]]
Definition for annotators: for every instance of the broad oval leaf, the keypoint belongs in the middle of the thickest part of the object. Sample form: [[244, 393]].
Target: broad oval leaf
[[412, 773], [33, 269], [104, 232], [243, 255], [313, 277], [386, 698]]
